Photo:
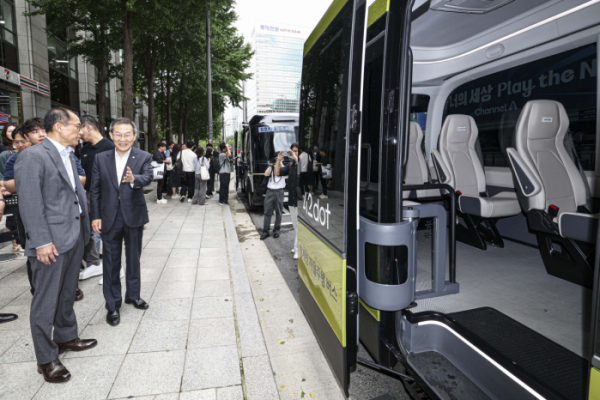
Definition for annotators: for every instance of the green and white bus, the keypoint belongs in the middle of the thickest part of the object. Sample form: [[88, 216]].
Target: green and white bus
[[458, 239]]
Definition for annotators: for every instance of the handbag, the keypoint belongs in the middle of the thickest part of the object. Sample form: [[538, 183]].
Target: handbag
[[326, 171], [158, 171], [204, 175], [170, 166]]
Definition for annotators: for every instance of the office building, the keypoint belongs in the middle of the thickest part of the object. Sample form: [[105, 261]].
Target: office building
[[277, 69]]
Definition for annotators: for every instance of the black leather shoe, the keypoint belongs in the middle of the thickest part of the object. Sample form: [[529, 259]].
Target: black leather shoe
[[276, 234], [264, 236], [113, 318], [139, 304], [78, 294], [54, 372], [77, 345], [7, 318]]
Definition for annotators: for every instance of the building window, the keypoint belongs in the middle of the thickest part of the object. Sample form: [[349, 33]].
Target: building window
[[64, 88], [11, 109], [9, 55]]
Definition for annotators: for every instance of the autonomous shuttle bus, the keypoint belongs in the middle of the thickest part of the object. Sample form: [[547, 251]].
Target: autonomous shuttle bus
[[263, 138], [458, 240]]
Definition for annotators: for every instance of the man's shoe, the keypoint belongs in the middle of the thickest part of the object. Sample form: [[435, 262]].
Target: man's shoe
[[182, 199], [7, 317], [90, 272], [275, 234], [113, 318], [54, 372], [264, 235], [77, 345], [139, 304], [78, 294]]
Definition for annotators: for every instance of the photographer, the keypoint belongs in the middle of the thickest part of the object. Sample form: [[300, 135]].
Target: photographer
[[274, 199], [292, 172]]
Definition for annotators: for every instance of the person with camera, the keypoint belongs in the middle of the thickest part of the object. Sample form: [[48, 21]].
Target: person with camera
[[292, 172], [224, 174], [274, 196]]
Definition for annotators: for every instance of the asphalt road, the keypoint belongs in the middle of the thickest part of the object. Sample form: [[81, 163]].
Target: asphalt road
[[365, 384]]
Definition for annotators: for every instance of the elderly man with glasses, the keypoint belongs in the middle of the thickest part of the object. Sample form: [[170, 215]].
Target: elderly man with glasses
[[119, 213]]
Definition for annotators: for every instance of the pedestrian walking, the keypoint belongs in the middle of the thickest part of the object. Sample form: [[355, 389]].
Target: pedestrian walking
[[188, 179], [274, 199], [306, 171], [95, 143], [213, 159], [119, 214], [324, 161], [224, 174], [45, 178], [168, 151], [292, 172], [175, 177], [159, 157], [316, 156], [201, 168]]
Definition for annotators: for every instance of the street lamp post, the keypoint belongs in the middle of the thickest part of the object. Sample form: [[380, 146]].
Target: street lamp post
[[208, 62]]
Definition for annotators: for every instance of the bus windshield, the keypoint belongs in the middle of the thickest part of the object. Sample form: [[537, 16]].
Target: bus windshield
[[268, 141]]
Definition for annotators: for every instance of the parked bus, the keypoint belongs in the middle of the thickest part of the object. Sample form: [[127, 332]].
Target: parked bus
[[472, 122], [263, 138]]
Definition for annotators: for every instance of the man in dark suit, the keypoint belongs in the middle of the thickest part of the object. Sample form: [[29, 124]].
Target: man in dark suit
[[119, 213], [54, 211]]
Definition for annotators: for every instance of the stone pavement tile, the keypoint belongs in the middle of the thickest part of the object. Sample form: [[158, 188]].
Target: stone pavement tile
[[161, 244], [240, 281], [230, 393], [182, 262], [11, 294], [91, 377], [212, 307], [211, 332], [16, 279], [174, 290], [213, 262], [191, 230], [207, 394], [150, 251], [19, 381], [169, 310], [155, 335], [20, 323], [187, 244], [21, 351], [206, 251], [144, 374], [9, 267], [150, 274], [211, 367], [24, 299], [153, 261], [251, 336], [111, 340], [8, 338], [258, 375], [218, 288], [185, 253], [129, 315], [166, 396], [178, 275], [294, 388], [212, 274]]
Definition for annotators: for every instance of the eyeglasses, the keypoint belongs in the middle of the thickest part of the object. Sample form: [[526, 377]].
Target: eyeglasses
[[127, 136]]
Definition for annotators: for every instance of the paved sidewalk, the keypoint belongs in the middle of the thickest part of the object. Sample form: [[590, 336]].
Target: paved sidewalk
[[200, 339]]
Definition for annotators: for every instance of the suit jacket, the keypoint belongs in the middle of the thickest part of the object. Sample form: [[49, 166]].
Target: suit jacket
[[48, 205], [106, 193]]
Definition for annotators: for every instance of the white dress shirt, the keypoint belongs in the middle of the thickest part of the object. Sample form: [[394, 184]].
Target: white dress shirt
[[187, 159], [121, 164]]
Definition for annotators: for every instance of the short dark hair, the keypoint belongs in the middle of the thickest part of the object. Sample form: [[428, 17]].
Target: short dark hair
[[170, 143], [209, 144], [19, 131], [190, 144], [58, 114], [124, 121], [161, 144], [6, 142], [323, 150], [222, 146], [91, 121], [31, 124], [200, 152], [294, 145]]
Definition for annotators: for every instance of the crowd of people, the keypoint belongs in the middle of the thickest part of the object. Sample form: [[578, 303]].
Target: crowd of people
[[189, 172]]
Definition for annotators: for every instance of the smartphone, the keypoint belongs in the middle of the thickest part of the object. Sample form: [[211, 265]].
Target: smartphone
[[286, 153]]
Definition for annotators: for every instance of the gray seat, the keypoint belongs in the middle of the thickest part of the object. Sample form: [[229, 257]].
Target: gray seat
[[545, 173], [457, 165], [415, 172]]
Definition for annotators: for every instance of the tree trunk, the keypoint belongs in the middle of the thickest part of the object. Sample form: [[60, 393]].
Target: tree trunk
[[185, 122], [150, 72], [169, 108], [128, 66], [101, 95]]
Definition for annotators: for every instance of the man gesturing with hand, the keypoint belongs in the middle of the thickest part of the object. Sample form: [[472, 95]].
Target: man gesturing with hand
[[119, 214]]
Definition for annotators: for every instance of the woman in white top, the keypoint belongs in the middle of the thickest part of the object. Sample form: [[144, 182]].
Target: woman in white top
[[306, 173], [200, 192]]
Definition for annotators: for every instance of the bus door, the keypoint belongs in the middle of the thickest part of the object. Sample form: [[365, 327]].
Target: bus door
[[327, 229]]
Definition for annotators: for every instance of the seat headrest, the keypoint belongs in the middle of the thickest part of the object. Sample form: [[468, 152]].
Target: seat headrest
[[415, 133], [459, 128], [544, 120]]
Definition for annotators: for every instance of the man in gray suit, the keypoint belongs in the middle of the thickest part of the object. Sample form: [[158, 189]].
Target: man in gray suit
[[53, 207]]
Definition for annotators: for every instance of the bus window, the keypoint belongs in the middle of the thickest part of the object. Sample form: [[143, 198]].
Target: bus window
[[495, 102]]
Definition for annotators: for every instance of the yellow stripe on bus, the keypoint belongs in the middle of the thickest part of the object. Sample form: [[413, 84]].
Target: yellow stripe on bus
[[329, 16], [376, 10]]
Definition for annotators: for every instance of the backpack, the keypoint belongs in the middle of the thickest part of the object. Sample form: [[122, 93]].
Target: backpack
[[178, 168], [214, 165]]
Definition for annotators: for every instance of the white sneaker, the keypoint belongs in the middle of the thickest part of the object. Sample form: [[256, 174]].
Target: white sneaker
[[295, 256], [90, 272], [323, 196], [175, 196], [189, 200], [164, 201], [159, 201], [121, 276], [293, 251]]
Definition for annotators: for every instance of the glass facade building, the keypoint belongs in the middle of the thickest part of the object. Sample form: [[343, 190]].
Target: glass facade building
[[277, 68]]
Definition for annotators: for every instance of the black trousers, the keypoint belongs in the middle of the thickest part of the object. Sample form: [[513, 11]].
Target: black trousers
[[324, 184], [188, 184], [224, 188], [112, 242], [317, 179], [210, 187], [165, 181], [159, 188]]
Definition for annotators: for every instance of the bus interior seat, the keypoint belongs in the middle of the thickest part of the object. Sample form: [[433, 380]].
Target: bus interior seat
[[458, 165], [552, 193], [416, 171]]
